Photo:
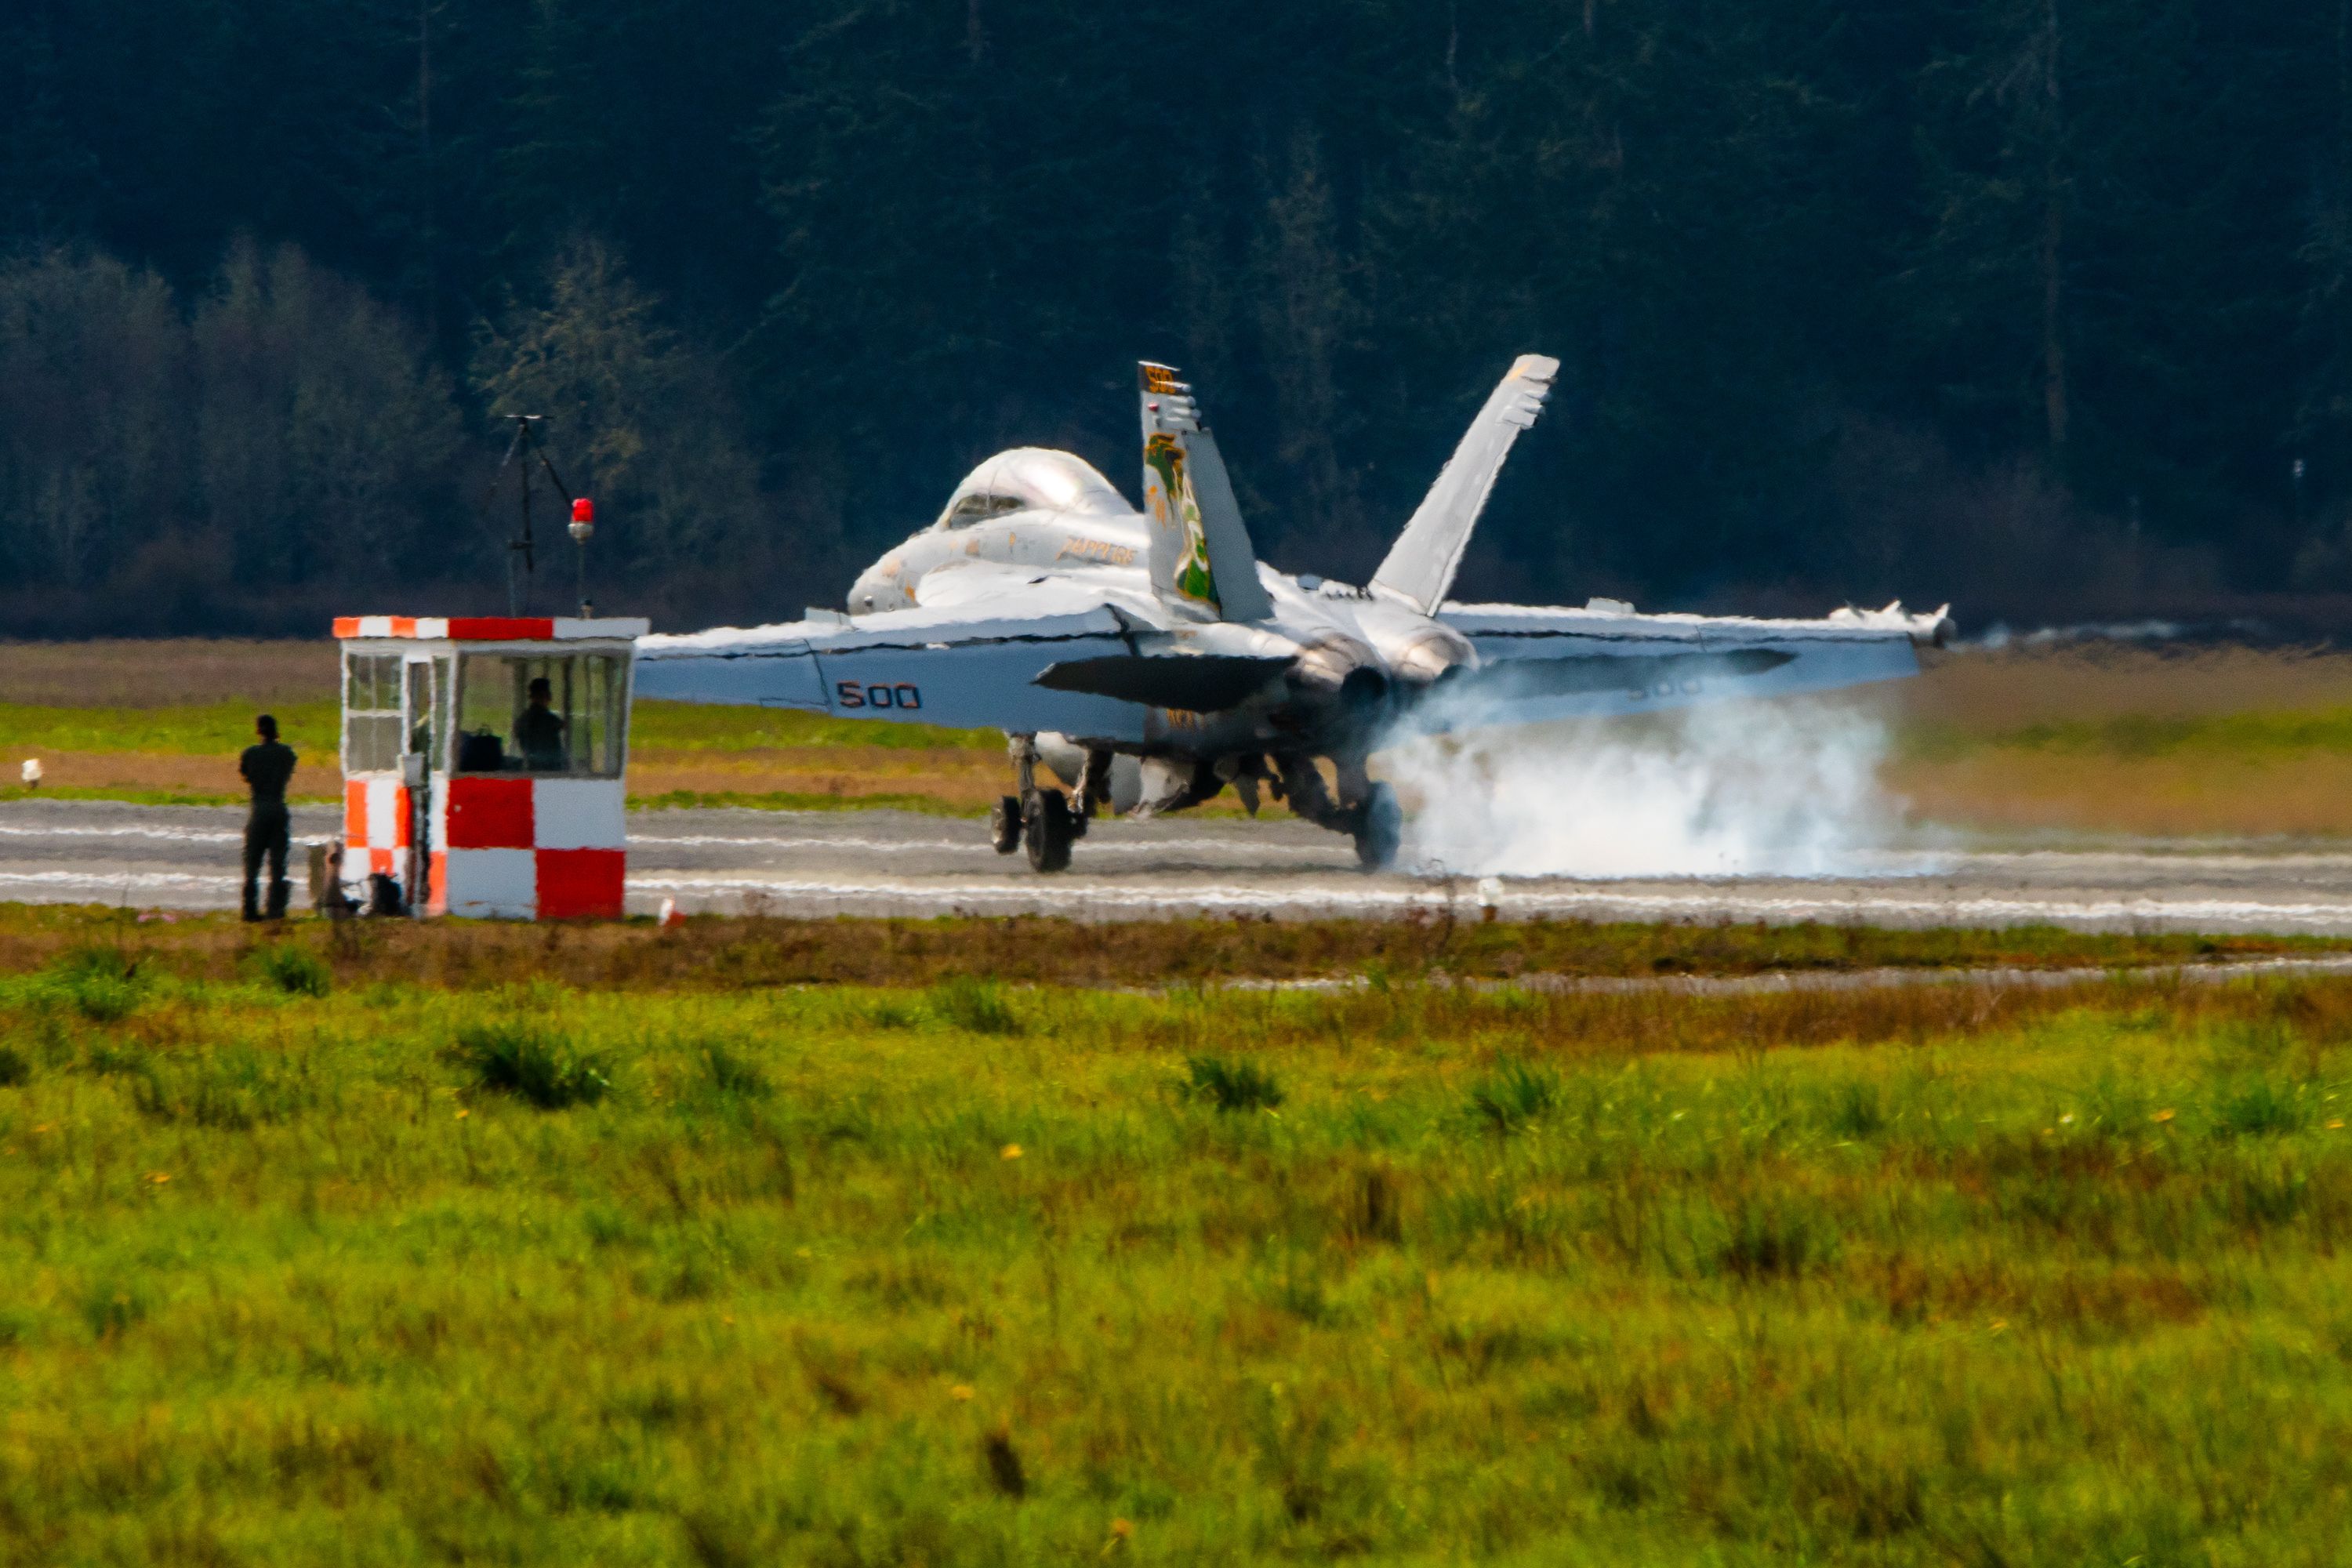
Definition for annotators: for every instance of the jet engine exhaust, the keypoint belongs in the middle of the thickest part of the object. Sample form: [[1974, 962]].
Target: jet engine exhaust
[[1789, 788], [1363, 691]]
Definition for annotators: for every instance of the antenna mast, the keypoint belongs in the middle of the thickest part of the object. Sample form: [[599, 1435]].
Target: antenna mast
[[527, 446]]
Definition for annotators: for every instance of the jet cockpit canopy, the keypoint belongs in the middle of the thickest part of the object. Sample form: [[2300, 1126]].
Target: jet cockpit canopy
[[1031, 478]]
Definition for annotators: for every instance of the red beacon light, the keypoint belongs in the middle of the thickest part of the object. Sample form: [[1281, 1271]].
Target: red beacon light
[[583, 517]]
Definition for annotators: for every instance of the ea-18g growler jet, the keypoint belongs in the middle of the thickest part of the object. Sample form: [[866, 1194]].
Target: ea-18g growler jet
[[1149, 659]]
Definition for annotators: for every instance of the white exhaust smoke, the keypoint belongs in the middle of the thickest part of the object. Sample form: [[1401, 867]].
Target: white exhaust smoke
[[1734, 789]]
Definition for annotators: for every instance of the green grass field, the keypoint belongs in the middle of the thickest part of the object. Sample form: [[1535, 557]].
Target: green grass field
[[199, 728], [207, 728], [185, 754], [2242, 738], [302, 1263], [2220, 744]]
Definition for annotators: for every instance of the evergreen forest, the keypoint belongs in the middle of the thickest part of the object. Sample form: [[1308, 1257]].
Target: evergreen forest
[[2041, 306]]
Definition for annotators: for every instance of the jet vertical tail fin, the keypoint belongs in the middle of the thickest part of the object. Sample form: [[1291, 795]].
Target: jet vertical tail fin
[[1201, 558], [1421, 564]]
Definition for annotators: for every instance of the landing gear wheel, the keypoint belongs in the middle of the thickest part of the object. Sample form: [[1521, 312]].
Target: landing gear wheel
[[1045, 824], [1004, 824], [1379, 830]]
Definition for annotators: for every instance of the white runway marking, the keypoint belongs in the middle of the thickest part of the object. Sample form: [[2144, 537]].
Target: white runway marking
[[731, 840], [28, 885], [1709, 902], [1780, 982], [1064, 892], [885, 862], [152, 834], [974, 842]]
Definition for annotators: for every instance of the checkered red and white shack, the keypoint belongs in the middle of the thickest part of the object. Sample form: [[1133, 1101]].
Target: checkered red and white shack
[[483, 759]]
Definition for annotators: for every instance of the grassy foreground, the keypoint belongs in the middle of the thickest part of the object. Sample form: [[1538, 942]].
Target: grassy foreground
[[745, 953], [299, 1266]]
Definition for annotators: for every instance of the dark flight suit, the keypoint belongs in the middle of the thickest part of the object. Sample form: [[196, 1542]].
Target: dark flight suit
[[267, 768], [539, 734]]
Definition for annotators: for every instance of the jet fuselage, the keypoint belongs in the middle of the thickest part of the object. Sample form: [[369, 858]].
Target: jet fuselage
[[1351, 654]]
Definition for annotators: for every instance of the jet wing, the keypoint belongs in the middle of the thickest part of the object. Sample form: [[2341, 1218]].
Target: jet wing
[[929, 666], [1539, 664]]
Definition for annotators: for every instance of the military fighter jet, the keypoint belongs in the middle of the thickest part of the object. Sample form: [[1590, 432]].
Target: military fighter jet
[[1149, 659]]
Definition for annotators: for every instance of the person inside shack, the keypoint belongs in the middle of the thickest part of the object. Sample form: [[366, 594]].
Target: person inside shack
[[540, 731]]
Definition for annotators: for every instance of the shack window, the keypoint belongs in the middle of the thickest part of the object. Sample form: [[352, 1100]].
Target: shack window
[[428, 708], [370, 713], [541, 714], [436, 744]]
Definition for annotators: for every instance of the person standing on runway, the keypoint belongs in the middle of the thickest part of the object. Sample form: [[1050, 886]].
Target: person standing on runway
[[268, 767]]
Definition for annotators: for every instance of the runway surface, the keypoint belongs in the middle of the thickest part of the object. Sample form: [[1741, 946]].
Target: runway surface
[[880, 862]]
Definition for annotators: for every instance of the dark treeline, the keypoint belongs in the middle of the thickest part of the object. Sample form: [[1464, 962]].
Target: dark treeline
[[2045, 306]]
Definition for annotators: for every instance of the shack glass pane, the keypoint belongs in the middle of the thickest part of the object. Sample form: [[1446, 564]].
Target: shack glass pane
[[371, 743], [422, 731], [371, 683], [371, 737], [444, 678]]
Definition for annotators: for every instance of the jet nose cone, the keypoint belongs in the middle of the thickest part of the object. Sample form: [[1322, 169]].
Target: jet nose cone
[[874, 591]]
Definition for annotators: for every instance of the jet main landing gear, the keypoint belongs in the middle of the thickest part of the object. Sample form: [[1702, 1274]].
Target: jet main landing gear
[[1373, 817], [1045, 827], [1047, 821], [1040, 818], [1379, 828]]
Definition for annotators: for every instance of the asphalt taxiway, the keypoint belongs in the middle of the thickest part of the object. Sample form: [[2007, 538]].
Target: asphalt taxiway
[[884, 862]]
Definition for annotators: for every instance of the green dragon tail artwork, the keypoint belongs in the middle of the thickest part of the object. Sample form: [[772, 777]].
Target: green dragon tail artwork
[[1165, 456]]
